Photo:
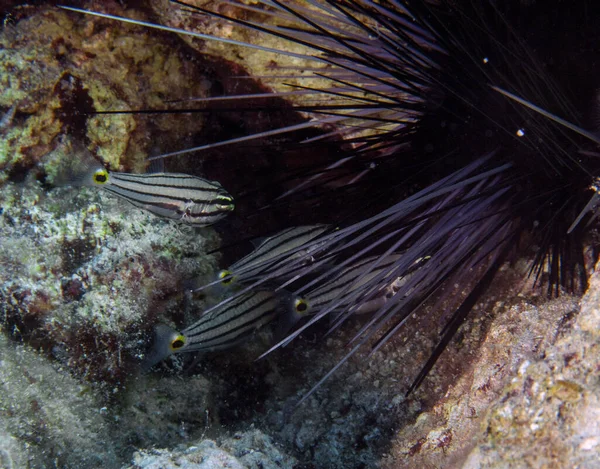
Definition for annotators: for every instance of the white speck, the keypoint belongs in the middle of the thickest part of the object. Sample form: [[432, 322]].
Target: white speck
[[485, 60], [398, 399], [523, 367], [589, 444], [520, 133]]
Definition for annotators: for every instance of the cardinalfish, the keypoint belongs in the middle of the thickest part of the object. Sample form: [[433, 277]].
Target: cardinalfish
[[187, 199], [225, 326], [346, 287], [275, 252]]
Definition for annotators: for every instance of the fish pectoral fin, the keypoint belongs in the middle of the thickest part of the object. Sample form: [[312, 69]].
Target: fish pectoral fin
[[164, 212], [256, 242]]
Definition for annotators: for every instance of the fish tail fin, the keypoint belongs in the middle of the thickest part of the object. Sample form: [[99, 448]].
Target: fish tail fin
[[79, 168], [161, 346]]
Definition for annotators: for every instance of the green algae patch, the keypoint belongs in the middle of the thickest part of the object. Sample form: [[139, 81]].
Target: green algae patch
[[60, 68]]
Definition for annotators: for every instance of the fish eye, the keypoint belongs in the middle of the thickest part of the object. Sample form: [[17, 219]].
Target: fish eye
[[100, 176], [226, 277], [177, 343], [301, 306]]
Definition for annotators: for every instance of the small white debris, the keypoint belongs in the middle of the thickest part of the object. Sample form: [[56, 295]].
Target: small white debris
[[589, 444]]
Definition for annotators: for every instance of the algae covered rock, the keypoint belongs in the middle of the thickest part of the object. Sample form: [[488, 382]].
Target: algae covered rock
[[85, 276], [47, 418], [246, 450], [60, 69], [204, 456], [549, 413], [529, 399]]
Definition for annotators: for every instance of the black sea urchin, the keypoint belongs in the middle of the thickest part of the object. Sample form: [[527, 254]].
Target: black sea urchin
[[436, 159]]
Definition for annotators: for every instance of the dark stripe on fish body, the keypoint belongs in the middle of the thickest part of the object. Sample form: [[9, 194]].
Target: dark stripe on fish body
[[214, 315], [150, 198], [229, 320], [251, 325], [234, 334], [345, 279], [320, 295], [243, 320], [227, 335], [189, 332], [260, 251], [280, 242], [160, 175], [173, 192], [204, 217], [267, 250], [140, 195], [192, 347], [169, 180], [319, 228], [173, 210], [165, 203]]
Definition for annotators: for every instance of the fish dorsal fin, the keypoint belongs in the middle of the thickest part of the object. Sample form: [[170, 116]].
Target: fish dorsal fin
[[155, 166], [256, 242]]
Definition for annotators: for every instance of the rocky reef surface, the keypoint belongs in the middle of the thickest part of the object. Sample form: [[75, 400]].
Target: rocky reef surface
[[524, 395], [57, 69], [50, 419], [517, 388], [84, 276]]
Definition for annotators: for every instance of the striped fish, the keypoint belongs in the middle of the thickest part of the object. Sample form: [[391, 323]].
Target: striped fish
[[347, 283], [187, 199], [275, 251], [224, 327], [230, 324]]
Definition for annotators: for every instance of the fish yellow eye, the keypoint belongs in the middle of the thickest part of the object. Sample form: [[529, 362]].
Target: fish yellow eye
[[226, 277], [100, 176], [177, 343], [301, 306]]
